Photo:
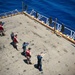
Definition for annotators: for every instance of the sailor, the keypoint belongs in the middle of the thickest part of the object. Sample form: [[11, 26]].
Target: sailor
[[15, 41], [39, 62], [28, 56], [24, 47], [2, 30], [12, 35]]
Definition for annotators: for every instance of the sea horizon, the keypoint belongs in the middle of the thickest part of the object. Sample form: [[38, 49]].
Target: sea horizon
[[64, 11]]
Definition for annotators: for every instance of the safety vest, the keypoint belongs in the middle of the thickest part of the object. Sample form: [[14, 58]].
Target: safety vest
[[28, 53], [15, 40], [1, 28]]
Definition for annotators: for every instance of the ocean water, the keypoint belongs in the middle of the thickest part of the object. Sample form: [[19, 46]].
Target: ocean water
[[63, 10]]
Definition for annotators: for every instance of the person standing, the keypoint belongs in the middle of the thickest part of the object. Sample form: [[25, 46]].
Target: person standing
[[28, 56], [62, 28], [24, 47], [12, 36], [50, 20], [15, 41], [2, 30], [39, 62]]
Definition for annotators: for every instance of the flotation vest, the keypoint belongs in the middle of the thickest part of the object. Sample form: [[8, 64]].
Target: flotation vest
[[15, 40], [28, 53], [1, 28]]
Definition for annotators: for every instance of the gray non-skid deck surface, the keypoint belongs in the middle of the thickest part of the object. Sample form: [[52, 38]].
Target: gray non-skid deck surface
[[59, 54]]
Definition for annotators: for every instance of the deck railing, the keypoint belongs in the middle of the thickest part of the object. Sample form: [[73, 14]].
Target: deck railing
[[9, 13], [67, 31]]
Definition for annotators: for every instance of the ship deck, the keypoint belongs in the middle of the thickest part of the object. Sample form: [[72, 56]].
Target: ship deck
[[58, 53]]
